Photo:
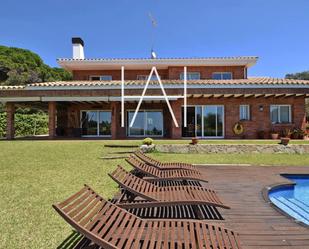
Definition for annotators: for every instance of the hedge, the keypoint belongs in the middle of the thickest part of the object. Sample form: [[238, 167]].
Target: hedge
[[26, 124]]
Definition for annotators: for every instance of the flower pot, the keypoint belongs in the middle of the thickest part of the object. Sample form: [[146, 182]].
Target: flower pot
[[285, 140], [274, 135], [194, 141]]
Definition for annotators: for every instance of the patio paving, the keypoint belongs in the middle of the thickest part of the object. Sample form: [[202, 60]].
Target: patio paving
[[260, 226]]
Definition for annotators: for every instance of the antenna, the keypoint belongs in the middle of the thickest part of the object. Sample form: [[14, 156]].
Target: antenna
[[154, 25]]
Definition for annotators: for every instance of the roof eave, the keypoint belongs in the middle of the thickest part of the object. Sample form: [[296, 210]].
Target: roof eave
[[92, 64]]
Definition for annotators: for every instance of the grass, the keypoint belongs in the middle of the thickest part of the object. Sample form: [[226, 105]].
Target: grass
[[36, 174]]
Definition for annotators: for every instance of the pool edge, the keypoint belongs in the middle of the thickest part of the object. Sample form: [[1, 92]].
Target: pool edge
[[265, 194]]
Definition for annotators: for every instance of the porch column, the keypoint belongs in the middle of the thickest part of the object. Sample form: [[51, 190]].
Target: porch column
[[115, 119], [176, 131], [52, 119], [10, 118]]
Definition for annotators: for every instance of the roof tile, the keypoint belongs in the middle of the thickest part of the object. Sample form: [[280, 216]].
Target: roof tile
[[249, 81]]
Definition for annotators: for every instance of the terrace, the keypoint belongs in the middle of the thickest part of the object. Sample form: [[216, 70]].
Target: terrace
[[61, 167]]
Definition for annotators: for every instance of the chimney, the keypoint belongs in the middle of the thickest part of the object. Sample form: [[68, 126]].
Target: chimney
[[78, 48]]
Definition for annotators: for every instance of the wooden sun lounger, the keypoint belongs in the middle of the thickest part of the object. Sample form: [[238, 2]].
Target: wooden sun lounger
[[111, 227], [172, 174], [162, 196], [161, 165]]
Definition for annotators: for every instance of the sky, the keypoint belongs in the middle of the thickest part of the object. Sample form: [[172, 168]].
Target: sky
[[274, 30]]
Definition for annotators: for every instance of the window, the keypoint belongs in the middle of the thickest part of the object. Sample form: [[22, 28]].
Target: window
[[204, 121], [96, 123], [145, 77], [280, 114], [191, 76], [147, 123], [244, 112], [101, 77], [222, 76]]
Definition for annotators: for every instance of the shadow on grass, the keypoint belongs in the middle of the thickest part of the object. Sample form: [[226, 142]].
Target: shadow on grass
[[71, 241], [76, 241]]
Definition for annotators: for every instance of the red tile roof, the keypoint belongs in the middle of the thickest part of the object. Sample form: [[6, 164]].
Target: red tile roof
[[250, 81]]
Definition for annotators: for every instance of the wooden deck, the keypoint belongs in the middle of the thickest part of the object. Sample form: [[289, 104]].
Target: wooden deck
[[260, 226]]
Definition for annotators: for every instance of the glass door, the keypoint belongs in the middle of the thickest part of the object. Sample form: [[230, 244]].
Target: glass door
[[204, 121], [189, 131], [147, 123], [213, 121], [154, 123], [96, 123]]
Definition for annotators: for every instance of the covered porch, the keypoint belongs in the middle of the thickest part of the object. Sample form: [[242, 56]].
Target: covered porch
[[98, 117]]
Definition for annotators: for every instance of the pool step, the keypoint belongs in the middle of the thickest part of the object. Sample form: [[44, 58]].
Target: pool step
[[292, 207], [300, 204]]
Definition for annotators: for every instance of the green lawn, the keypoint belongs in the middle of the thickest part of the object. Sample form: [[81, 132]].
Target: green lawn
[[35, 174]]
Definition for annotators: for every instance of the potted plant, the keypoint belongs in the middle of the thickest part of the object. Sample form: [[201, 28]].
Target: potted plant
[[306, 135], [274, 134], [194, 141], [148, 141], [298, 133], [285, 138], [301, 133]]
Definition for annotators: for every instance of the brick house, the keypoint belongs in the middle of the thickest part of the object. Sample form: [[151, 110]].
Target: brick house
[[219, 95]]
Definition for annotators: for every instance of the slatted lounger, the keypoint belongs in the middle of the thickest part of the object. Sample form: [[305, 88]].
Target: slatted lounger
[[162, 196], [111, 227], [172, 174], [161, 165]]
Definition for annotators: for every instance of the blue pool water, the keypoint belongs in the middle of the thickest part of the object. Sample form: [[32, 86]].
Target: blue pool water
[[294, 200]]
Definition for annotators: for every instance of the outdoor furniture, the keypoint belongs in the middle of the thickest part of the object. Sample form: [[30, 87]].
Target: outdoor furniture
[[163, 166], [158, 174], [110, 227], [154, 195]]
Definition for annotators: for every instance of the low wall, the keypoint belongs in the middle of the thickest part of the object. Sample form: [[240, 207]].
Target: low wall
[[233, 148]]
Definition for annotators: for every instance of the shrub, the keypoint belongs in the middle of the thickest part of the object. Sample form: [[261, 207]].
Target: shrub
[[26, 124], [148, 141]]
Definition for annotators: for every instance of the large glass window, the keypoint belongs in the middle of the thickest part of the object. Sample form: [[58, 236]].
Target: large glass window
[[147, 123], [102, 77], [191, 76], [154, 123], [139, 124], [199, 121], [210, 117], [96, 123], [204, 121], [105, 123], [222, 76], [280, 114]]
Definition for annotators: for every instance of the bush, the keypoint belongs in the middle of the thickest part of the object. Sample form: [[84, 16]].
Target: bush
[[148, 141], [26, 124]]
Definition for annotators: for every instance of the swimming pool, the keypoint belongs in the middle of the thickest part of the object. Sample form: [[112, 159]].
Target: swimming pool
[[293, 199]]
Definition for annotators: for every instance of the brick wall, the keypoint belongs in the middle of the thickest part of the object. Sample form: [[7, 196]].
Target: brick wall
[[259, 120], [116, 74], [170, 73], [206, 72]]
